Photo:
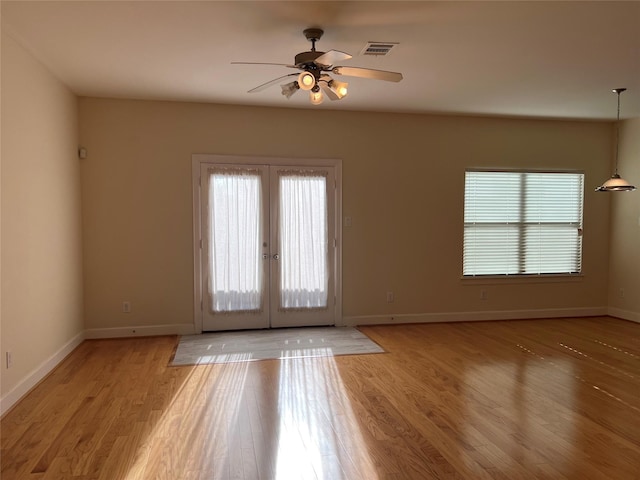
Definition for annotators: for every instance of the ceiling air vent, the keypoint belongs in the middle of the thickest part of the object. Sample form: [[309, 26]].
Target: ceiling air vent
[[378, 49]]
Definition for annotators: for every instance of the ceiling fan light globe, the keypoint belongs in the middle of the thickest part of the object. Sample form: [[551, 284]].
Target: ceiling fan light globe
[[339, 88], [316, 98], [306, 81], [289, 89]]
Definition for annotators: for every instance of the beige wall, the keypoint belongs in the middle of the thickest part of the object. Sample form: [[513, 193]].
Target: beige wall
[[403, 187], [41, 230], [624, 283]]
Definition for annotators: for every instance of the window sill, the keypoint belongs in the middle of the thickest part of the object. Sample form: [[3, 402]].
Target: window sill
[[519, 279]]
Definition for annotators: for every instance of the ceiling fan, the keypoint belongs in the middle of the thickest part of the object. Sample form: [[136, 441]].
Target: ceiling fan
[[316, 67]]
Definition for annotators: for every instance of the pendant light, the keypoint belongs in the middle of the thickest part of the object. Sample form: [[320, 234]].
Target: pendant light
[[615, 183]]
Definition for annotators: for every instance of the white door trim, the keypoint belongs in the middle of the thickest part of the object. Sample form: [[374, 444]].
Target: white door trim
[[197, 159]]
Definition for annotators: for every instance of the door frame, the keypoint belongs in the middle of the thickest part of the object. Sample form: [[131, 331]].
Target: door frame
[[197, 159]]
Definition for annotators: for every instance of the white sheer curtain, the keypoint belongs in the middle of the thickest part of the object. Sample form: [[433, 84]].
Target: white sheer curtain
[[303, 240], [235, 236]]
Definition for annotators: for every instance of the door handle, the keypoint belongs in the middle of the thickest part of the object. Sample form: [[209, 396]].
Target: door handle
[[265, 256], [276, 256]]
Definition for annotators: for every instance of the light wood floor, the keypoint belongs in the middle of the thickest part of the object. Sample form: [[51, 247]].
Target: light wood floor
[[545, 399]]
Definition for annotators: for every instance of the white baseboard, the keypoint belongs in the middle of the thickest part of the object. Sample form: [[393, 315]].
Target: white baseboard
[[473, 316], [624, 314], [140, 331], [36, 375]]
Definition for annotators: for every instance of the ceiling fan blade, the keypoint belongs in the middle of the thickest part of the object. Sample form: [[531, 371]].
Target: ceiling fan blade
[[332, 56], [263, 63], [275, 81], [368, 73], [328, 92]]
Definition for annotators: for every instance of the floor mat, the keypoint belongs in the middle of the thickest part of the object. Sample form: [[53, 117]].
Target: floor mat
[[285, 343]]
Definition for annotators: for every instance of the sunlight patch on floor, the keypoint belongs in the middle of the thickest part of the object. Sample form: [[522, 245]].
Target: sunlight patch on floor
[[319, 437], [175, 445]]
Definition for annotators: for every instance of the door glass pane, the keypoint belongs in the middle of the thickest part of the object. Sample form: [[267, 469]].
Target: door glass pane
[[303, 240], [235, 233]]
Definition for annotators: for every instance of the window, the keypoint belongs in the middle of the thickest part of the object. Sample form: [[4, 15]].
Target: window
[[522, 223]]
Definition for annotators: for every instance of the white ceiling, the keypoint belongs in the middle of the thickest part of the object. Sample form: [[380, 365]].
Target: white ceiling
[[531, 59]]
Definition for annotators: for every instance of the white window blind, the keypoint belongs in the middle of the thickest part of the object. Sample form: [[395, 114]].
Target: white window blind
[[522, 223]]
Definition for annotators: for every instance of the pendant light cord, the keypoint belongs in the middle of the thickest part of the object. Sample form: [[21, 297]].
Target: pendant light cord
[[618, 91]]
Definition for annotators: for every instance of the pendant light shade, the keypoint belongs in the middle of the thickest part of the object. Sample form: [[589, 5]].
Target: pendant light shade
[[616, 183]]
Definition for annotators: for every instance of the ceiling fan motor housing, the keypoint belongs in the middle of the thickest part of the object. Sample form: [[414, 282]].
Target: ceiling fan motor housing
[[306, 60]]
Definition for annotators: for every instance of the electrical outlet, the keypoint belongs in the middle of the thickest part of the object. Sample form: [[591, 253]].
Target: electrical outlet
[[9, 359], [621, 293], [483, 295], [389, 297], [126, 307]]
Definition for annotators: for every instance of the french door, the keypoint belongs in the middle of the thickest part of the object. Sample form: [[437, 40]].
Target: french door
[[267, 246]]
